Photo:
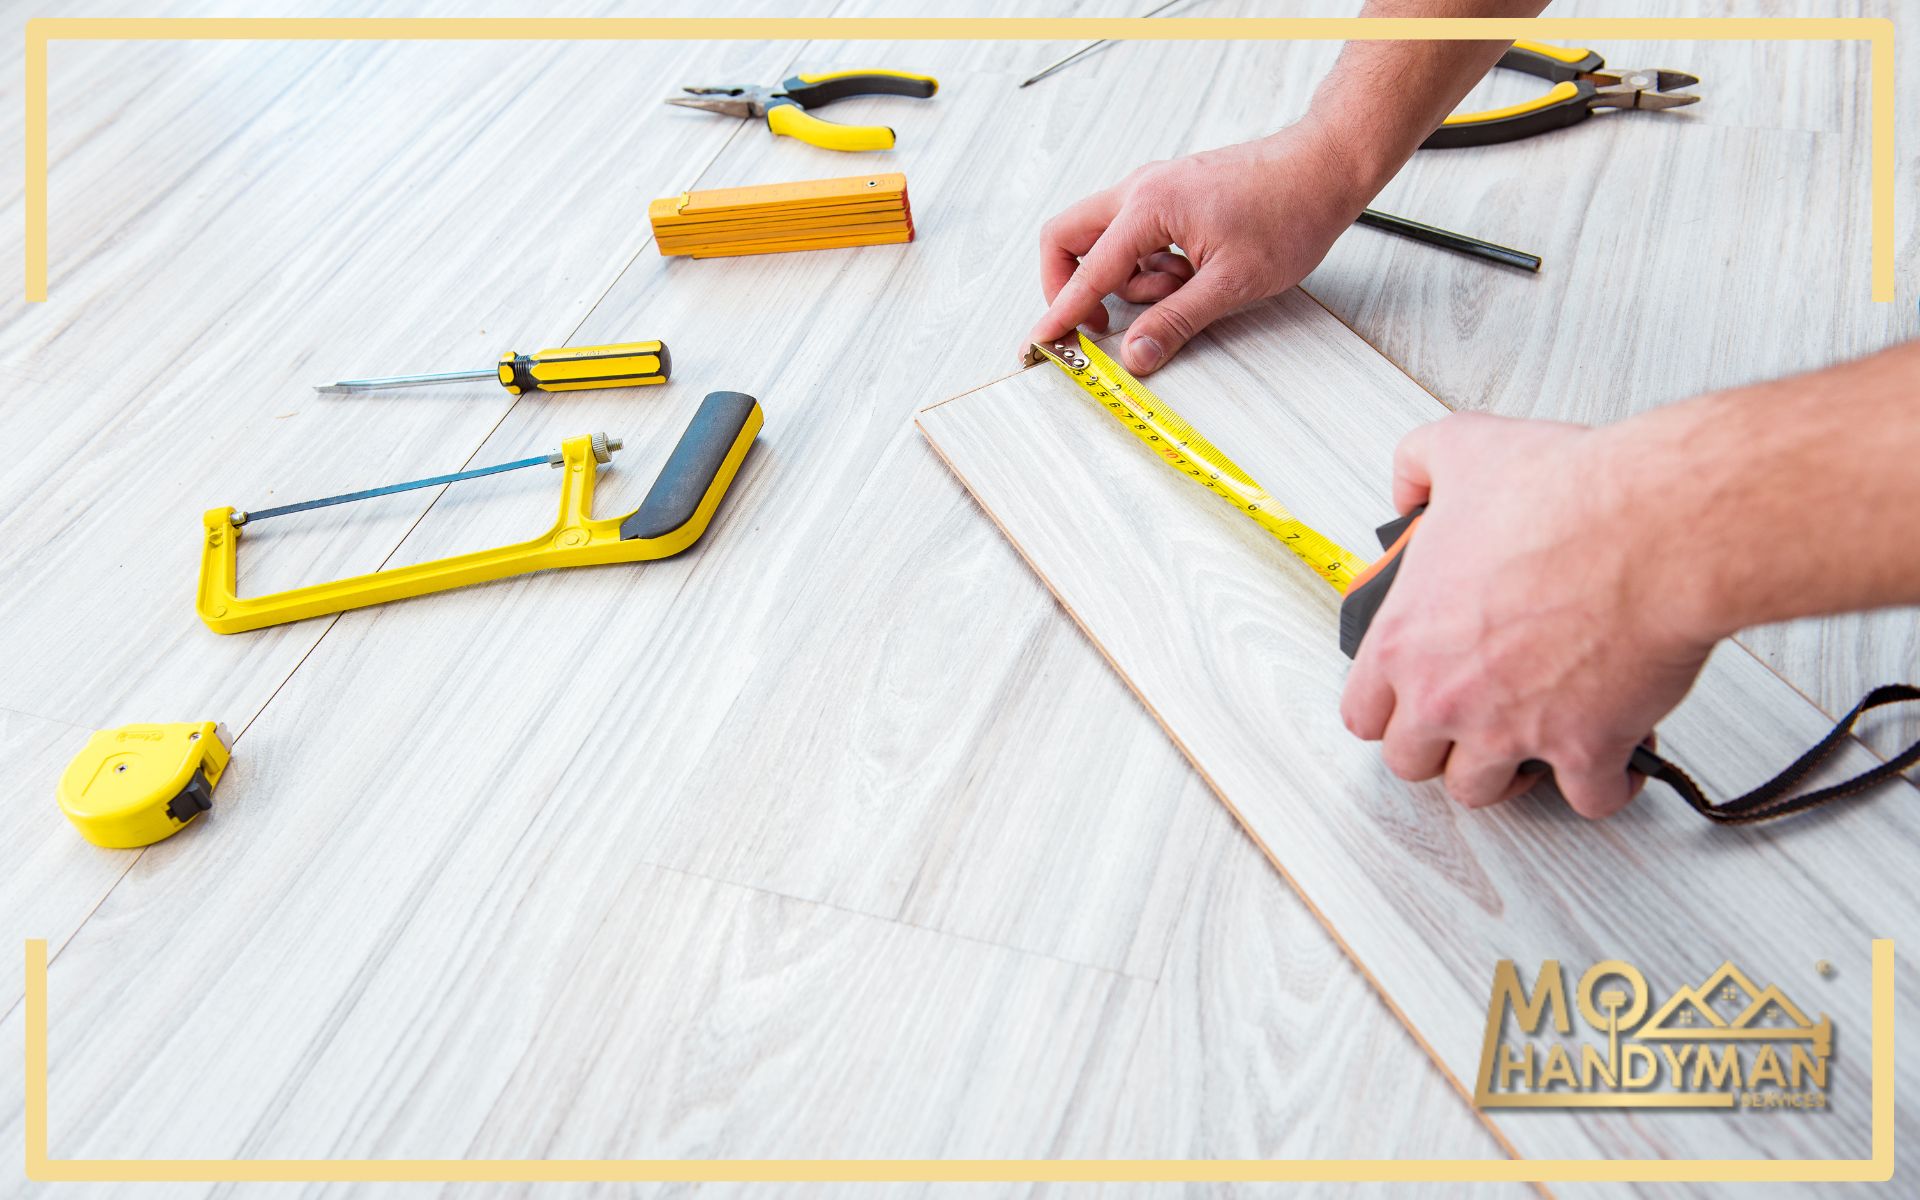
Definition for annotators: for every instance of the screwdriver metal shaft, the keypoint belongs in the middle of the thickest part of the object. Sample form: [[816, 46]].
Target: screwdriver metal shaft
[[1092, 46], [402, 381]]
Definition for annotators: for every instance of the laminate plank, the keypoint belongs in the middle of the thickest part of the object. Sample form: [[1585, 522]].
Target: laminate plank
[[1109, 826], [126, 431], [1232, 646], [191, 315], [569, 716], [123, 348], [661, 692], [1060, 761], [49, 879], [816, 536], [1680, 312], [100, 90], [667, 738], [631, 1013], [1260, 1039]]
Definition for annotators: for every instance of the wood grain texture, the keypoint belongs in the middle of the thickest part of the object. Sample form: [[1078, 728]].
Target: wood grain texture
[[761, 847], [1233, 648], [865, 744], [49, 879], [632, 1013], [852, 697], [170, 370], [95, 504], [173, 372], [1254, 989]]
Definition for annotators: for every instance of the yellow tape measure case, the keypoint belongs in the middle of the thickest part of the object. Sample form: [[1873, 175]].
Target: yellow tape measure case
[[138, 784]]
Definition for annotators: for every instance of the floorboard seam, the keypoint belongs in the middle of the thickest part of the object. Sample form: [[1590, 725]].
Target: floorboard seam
[[1022, 951], [1373, 981], [54, 952]]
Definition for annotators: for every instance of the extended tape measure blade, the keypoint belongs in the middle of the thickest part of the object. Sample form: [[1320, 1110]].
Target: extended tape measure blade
[[1183, 447]]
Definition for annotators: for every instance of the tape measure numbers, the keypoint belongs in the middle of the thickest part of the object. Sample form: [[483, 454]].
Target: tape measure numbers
[[1169, 436]]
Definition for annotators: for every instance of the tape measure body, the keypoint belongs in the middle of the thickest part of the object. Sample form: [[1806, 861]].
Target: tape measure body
[[1182, 446], [137, 784]]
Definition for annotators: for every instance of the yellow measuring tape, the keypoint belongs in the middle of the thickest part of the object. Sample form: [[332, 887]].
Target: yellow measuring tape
[[1194, 456]]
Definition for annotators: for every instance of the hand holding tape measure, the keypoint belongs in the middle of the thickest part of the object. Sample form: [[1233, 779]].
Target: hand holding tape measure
[[1365, 589]]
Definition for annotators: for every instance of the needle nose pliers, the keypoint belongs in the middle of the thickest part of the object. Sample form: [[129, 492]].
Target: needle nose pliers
[[785, 107], [1580, 85]]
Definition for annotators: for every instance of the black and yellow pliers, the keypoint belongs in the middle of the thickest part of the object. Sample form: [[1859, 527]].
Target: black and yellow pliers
[[1580, 85], [785, 107]]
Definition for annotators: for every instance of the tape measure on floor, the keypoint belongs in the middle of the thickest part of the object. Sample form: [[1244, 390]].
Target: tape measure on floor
[[1169, 436], [137, 784]]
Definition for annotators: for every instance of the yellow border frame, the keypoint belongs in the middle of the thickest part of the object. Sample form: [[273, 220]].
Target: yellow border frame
[[1878, 1168], [41, 30]]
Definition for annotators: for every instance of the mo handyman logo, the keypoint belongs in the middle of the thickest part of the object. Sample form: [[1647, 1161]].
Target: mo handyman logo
[[1722, 1044]]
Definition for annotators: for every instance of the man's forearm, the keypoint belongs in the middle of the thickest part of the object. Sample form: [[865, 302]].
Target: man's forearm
[[1383, 98], [1787, 499]]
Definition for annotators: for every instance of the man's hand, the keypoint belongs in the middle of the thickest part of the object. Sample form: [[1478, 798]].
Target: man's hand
[[1252, 220], [1535, 615]]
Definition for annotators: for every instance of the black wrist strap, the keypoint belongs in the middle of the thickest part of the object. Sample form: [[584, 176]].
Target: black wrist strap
[[1773, 799]]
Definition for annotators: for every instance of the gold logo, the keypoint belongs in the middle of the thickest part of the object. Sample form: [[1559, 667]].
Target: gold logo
[[1723, 1044]]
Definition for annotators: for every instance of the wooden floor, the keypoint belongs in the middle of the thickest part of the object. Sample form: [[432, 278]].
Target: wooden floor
[[833, 837], [1235, 652]]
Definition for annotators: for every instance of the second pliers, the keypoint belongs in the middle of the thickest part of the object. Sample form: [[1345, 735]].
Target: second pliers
[[1581, 82], [785, 107]]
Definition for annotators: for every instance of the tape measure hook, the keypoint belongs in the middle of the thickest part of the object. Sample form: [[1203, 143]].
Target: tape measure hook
[[1067, 353]]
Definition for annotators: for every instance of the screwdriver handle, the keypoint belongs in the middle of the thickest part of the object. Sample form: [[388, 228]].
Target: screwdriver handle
[[575, 368]]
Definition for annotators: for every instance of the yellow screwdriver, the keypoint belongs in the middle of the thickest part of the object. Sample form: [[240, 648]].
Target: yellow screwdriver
[[566, 369]]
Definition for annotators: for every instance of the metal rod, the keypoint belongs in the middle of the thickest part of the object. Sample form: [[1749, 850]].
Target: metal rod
[[403, 381], [241, 518], [1447, 239], [1091, 46]]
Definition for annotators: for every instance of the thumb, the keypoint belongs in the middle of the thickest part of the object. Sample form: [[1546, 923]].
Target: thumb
[[1412, 472], [1159, 332], [1111, 261]]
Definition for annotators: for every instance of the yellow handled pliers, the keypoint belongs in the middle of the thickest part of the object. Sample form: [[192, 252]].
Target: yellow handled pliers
[[785, 107], [1580, 85]]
